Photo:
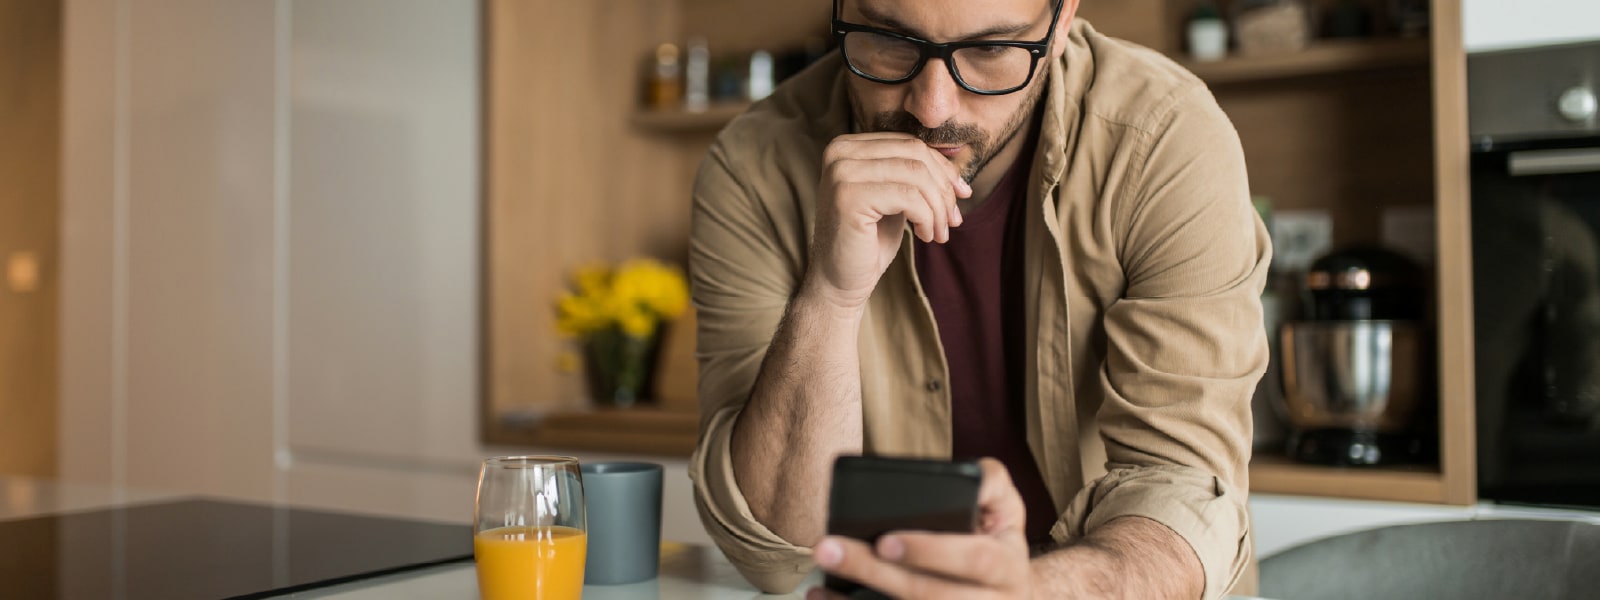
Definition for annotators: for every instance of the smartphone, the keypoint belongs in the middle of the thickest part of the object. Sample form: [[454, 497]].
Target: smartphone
[[874, 495]]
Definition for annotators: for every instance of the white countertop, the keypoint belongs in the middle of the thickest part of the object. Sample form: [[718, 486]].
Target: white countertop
[[687, 571]]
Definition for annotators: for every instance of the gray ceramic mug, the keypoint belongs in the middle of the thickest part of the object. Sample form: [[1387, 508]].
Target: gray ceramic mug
[[623, 502]]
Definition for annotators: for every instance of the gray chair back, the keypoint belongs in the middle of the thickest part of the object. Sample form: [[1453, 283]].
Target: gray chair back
[[1461, 560]]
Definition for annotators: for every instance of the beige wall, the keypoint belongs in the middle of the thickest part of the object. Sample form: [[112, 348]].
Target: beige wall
[[272, 245], [30, 138], [167, 245]]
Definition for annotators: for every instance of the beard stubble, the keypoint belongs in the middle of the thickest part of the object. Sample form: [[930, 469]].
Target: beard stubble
[[951, 133]]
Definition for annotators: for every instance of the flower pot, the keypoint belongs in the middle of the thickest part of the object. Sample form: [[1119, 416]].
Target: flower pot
[[619, 367]]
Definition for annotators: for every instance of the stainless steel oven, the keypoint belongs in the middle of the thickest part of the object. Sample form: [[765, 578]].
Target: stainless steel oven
[[1535, 128]]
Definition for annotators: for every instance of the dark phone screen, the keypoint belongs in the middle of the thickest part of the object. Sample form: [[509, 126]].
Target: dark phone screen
[[872, 496]]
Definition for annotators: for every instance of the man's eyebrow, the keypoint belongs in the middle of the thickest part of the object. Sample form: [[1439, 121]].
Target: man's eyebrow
[[891, 24]]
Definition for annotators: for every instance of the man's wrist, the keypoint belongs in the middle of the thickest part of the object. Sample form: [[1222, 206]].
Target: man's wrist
[[817, 298]]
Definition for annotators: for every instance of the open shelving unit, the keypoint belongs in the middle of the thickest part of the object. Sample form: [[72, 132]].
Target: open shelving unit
[[1278, 475], [1320, 59], [643, 430], [680, 120], [1349, 127]]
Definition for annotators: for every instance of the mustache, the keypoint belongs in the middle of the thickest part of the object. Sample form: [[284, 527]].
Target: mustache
[[948, 134]]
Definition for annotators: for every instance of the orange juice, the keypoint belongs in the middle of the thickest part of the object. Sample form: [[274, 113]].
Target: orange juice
[[530, 563]]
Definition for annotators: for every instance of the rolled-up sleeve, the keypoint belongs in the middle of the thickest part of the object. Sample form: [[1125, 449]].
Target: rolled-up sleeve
[[1185, 344], [743, 269]]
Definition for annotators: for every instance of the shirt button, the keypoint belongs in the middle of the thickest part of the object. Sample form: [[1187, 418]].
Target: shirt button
[[935, 385]]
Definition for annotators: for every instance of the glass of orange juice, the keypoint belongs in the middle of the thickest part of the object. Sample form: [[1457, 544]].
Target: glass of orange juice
[[529, 532]]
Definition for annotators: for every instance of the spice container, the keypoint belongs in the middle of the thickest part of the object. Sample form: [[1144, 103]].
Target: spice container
[[666, 79]]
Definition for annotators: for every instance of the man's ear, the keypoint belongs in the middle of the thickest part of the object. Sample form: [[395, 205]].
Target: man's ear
[[1069, 11]]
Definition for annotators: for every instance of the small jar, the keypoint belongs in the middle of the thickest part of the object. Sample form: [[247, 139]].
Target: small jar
[[697, 88], [666, 79], [762, 79], [1207, 33], [1208, 39]]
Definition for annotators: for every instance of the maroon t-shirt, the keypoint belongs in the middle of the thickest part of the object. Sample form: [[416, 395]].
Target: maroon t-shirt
[[975, 284]]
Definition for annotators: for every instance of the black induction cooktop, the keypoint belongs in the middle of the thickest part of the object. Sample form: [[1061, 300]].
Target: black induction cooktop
[[205, 550]]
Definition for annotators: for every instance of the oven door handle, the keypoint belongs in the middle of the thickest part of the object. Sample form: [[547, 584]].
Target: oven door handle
[[1553, 162]]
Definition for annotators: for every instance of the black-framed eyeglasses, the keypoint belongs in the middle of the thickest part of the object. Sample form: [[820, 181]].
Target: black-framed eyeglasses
[[987, 67]]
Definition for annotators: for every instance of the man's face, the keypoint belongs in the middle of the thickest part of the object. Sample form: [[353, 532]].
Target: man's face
[[965, 127]]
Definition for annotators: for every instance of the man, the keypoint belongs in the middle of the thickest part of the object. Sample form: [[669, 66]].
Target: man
[[945, 242]]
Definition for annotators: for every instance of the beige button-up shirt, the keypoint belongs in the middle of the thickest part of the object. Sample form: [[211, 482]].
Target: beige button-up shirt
[[1145, 264]]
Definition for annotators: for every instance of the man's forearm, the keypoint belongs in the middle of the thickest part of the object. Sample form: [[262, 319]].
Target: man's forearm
[[1129, 557], [804, 411]]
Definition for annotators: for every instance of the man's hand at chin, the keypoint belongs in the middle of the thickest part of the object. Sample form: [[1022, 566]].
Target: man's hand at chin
[[991, 563]]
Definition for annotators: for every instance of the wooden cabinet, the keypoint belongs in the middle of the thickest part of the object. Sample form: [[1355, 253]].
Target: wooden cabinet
[[30, 208], [1354, 128], [577, 171]]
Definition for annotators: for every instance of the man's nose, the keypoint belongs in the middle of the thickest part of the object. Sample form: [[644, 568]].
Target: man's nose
[[935, 97]]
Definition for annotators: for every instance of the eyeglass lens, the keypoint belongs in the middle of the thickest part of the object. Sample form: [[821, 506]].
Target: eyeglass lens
[[983, 68]]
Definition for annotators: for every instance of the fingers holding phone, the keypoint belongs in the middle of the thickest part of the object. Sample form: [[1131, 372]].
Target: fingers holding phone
[[1001, 510], [962, 536]]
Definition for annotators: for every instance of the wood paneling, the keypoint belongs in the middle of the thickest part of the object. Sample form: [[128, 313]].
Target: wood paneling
[[1457, 396], [679, 121], [568, 179], [744, 26], [30, 146], [1350, 145], [1152, 23]]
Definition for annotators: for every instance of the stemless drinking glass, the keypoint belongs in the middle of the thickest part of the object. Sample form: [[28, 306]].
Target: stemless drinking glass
[[530, 532]]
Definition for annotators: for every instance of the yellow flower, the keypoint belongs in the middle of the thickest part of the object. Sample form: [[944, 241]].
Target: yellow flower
[[592, 279], [578, 316], [634, 298], [637, 323], [658, 287]]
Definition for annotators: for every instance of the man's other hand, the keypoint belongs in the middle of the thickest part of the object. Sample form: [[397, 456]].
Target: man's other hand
[[990, 563]]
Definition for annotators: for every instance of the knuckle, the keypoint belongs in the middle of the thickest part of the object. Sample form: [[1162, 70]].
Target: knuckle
[[843, 172], [836, 149], [831, 171]]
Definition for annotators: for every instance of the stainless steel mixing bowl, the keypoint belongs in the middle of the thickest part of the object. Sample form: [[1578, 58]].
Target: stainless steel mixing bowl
[[1352, 375]]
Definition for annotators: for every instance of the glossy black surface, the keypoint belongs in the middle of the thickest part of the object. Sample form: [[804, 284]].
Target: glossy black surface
[[200, 549], [1536, 299]]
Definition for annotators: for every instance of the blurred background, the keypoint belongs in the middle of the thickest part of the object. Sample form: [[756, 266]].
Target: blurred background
[[314, 251]]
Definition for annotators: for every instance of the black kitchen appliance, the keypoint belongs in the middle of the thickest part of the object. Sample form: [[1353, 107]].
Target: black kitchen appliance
[[1535, 126], [1353, 368]]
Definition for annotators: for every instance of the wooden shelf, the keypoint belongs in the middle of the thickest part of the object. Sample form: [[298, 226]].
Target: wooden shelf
[[672, 433], [687, 121], [1278, 475], [645, 430], [1322, 58]]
